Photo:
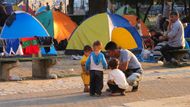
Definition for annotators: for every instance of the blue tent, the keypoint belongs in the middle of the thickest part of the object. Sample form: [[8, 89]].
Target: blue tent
[[22, 25], [187, 33]]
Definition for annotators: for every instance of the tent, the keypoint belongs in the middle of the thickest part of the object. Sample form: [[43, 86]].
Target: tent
[[23, 7], [105, 27], [58, 25], [121, 11], [131, 11], [22, 25], [133, 22], [187, 33], [40, 10]]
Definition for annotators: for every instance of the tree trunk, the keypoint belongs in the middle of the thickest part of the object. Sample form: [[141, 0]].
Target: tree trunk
[[97, 6], [189, 7], [147, 12], [162, 2], [173, 2], [70, 7], [185, 6], [137, 8]]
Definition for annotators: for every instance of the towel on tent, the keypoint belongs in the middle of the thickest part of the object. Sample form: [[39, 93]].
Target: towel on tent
[[13, 47], [45, 42], [30, 46]]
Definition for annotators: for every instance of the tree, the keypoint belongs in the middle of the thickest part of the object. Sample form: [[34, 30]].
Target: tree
[[97, 6], [70, 7], [147, 12]]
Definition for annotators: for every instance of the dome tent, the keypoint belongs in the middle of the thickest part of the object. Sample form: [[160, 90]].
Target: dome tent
[[22, 25], [40, 10], [133, 22], [131, 11], [58, 25], [187, 33], [104, 27]]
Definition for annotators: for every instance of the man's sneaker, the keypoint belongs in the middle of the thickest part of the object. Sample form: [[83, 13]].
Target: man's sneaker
[[174, 62], [108, 90], [92, 94], [135, 88], [98, 95]]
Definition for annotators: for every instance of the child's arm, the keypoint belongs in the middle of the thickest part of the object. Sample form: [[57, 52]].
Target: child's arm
[[110, 78], [111, 82], [104, 62], [83, 67], [87, 65]]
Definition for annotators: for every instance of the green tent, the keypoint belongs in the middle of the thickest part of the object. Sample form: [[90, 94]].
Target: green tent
[[104, 27], [131, 11]]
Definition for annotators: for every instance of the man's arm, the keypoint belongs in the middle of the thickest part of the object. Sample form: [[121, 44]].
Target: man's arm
[[174, 30], [123, 66]]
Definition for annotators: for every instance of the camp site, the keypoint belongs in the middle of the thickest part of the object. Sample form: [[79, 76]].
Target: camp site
[[94, 53]]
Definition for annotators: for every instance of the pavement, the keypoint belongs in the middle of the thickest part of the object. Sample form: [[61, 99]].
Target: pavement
[[168, 87]]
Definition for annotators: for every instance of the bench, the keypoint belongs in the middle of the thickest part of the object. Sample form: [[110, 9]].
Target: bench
[[40, 65]]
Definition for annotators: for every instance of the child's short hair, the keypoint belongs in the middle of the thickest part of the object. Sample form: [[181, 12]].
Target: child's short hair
[[98, 44], [113, 63], [87, 48]]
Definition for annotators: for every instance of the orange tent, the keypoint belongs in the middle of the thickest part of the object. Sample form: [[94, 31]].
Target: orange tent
[[59, 25], [132, 20]]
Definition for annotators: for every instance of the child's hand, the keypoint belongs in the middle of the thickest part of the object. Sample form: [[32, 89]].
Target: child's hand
[[87, 72]]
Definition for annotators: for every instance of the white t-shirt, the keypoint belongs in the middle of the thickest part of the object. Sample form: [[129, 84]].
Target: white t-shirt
[[93, 66], [119, 78]]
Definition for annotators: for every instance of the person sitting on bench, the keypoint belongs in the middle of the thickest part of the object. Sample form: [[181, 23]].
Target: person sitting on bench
[[175, 37]]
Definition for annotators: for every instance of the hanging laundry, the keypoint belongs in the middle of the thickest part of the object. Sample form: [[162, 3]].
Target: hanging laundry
[[45, 42], [12, 45], [19, 50], [2, 45], [30, 46]]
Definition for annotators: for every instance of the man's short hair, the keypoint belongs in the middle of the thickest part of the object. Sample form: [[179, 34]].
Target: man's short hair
[[174, 13], [111, 46], [113, 63]]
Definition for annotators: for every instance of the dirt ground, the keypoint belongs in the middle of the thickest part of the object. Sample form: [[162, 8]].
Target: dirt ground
[[65, 67]]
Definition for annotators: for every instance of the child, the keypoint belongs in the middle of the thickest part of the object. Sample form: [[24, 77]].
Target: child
[[85, 76], [116, 78], [95, 64]]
